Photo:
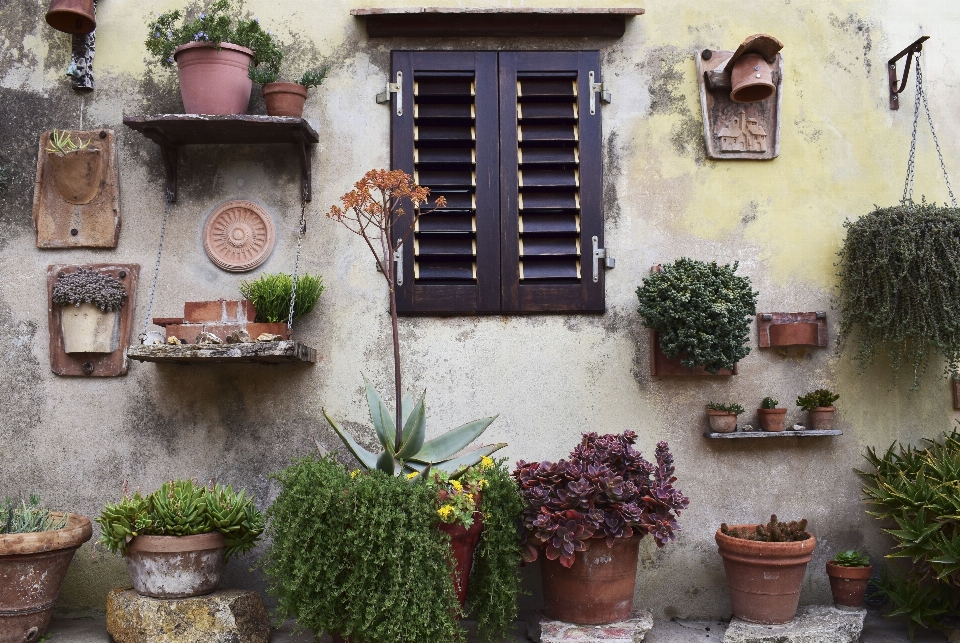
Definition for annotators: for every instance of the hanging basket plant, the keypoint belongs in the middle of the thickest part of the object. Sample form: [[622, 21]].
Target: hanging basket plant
[[899, 290]]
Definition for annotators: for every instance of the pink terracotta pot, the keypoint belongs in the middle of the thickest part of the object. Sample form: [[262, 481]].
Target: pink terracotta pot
[[214, 81], [771, 419], [721, 421], [821, 418], [284, 99]]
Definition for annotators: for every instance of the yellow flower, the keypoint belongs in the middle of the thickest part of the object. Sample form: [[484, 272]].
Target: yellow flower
[[445, 512], [486, 462], [355, 473], [482, 484], [470, 497], [412, 475], [456, 485]]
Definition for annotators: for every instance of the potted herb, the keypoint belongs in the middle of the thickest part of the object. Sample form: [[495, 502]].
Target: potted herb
[[819, 406], [89, 303], [283, 98], [723, 417], [849, 573], [77, 167], [213, 52], [700, 312], [771, 418], [177, 539], [36, 547], [587, 514], [765, 565], [270, 294]]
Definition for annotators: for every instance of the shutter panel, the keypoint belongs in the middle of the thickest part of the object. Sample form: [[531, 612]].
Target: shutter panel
[[550, 182], [447, 138]]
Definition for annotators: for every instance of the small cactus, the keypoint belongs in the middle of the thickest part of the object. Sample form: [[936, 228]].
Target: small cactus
[[773, 532]]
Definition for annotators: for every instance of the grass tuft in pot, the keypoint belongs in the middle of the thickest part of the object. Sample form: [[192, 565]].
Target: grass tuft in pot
[[899, 289], [28, 518], [270, 294]]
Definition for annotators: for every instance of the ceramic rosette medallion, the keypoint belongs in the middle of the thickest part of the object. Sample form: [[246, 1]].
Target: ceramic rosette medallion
[[239, 236]]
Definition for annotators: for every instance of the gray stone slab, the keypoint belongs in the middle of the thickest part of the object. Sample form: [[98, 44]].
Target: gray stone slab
[[813, 624], [630, 631]]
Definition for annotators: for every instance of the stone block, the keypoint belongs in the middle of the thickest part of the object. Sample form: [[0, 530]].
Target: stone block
[[813, 624], [225, 616], [630, 631]]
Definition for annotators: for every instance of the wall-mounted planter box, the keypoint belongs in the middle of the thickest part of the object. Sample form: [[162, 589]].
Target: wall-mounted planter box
[[663, 366], [791, 329]]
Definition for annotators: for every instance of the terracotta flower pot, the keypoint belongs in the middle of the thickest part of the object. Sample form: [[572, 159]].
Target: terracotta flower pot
[[87, 329], [598, 588], [72, 16], [32, 568], [821, 418], [214, 81], [176, 566], [77, 175], [464, 543], [848, 584], [772, 419], [764, 578], [721, 421], [284, 99]]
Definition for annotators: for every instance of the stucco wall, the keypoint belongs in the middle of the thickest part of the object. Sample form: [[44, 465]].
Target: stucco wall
[[549, 377]]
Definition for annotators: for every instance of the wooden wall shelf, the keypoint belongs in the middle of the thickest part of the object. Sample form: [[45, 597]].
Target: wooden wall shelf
[[170, 131], [282, 352], [446, 22], [770, 434]]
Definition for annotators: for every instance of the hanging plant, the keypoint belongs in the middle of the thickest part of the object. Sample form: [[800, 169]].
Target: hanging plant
[[702, 312], [899, 288]]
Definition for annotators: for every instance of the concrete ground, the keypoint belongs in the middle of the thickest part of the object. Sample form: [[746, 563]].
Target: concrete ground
[[91, 628]]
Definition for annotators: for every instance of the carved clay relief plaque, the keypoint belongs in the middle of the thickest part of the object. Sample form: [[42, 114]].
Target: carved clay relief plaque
[[239, 236]]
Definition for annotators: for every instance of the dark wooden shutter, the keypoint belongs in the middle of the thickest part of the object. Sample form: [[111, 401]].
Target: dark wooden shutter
[[550, 182], [447, 138]]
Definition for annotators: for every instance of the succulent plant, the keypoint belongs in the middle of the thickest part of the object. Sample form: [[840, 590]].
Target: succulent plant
[[604, 490], [413, 454], [28, 518], [734, 408], [817, 399], [772, 532], [89, 287], [769, 403], [851, 558], [61, 142]]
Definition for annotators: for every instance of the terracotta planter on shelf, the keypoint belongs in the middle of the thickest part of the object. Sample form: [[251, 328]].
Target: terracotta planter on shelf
[[176, 566], [72, 16], [772, 419], [32, 568], [721, 421], [214, 81], [821, 418], [284, 99], [78, 175], [764, 578], [87, 329], [598, 588], [848, 584]]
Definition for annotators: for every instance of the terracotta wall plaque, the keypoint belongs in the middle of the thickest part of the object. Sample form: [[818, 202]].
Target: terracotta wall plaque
[[239, 236], [92, 364], [663, 366], [76, 199], [791, 329]]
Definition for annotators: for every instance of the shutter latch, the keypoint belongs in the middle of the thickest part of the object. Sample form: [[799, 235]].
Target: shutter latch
[[598, 254], [398, 258], [597, 88], [394, 88]]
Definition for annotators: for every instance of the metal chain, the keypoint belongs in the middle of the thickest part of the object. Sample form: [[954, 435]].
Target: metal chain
[[296, 264], [936, 142], [168, 205]]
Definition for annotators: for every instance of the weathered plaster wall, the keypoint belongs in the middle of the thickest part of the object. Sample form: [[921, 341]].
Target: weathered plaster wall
[[549, 377]]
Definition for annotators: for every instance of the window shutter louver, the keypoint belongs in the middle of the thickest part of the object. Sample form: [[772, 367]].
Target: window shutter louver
[[447, 139], [550, 182]]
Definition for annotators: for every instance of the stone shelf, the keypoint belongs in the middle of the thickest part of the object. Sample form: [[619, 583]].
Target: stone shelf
[[282, 352], [770, 434]]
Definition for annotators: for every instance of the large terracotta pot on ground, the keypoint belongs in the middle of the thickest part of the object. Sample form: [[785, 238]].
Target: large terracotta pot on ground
[[32, 567], [721, 421], [764, 578], [598, 588], [821, 418], [284, 99], [848, 584], [78, 175], [771, 419], [214, 81], [176, 566], [87, 329]]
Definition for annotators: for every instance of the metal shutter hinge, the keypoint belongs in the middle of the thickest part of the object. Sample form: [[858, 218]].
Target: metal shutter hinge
[[597, 88], [398, 258], [598, 254], [393, 88]]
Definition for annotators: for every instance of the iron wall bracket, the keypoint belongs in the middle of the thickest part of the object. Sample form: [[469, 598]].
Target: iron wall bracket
[[914, 48]]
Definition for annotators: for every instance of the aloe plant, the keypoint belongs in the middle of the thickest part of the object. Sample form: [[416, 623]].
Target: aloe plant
[[414, 454]]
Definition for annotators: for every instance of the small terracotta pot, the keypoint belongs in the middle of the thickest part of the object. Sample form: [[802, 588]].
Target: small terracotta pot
[[77, 175], [848, 584], [32, 568], [721, 421], [821, 418], [751, 79], [764, 578], [771, 419], [72, 16], [598, 588], [176, 566], [214, 81], [284, 99], [87, 329]]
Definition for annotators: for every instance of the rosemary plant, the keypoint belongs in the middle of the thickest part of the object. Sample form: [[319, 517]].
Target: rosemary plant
[[270, 295]]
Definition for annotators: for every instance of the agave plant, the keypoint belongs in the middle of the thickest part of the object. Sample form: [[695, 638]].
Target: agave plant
[[414, 456]]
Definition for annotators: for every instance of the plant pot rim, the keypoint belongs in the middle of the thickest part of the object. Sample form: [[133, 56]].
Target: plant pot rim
[[776, 411], [823, 409], [284, 87], [844, 571], [720, 413], [63, 155], [210, 45], [77, 531], [764, 550], [177, 544]]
